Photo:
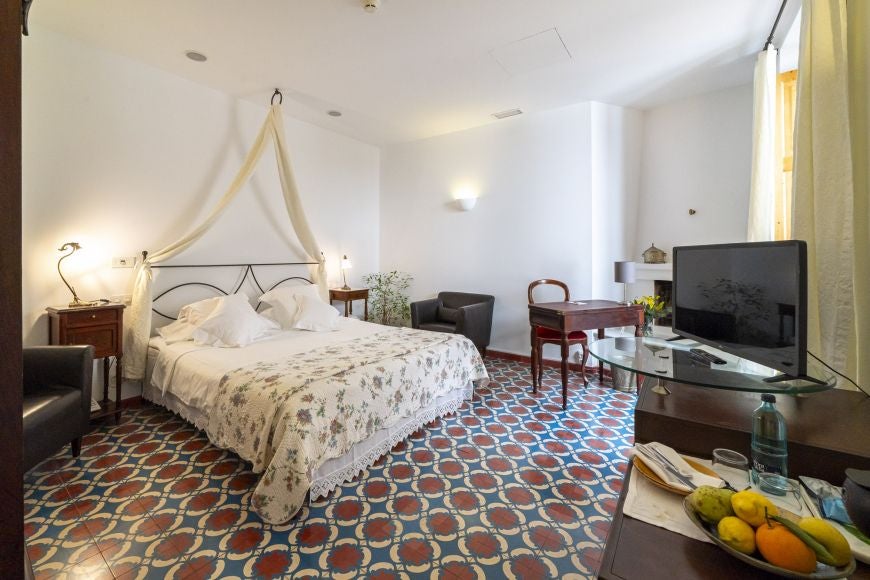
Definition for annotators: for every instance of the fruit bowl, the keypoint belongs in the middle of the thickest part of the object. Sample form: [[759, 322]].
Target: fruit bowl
[[822, 572]]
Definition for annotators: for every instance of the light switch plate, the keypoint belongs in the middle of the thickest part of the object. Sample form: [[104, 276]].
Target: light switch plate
[[124, 262]]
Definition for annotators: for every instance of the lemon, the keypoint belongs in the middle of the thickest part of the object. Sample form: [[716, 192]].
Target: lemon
[[737, 534], [750, 507], [828, 536]]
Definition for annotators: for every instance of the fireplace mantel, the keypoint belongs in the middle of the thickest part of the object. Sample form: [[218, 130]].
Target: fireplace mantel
[[653, 271]]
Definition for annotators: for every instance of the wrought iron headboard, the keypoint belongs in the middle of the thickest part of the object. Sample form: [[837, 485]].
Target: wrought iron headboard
[[248, 271]]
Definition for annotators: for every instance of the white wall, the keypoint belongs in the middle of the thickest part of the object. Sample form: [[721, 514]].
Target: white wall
[[556, 189], [697, 154], [124, 157]]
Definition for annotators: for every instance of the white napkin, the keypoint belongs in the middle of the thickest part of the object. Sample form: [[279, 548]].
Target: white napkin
[[697, 477], [658, 507]]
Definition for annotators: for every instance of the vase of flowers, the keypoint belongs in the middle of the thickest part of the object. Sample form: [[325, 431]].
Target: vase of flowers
[[653, 307]]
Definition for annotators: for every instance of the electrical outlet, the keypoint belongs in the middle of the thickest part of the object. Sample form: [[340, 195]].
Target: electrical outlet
[[124, 262]]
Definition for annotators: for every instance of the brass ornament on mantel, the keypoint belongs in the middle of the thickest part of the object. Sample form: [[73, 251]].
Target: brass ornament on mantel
[[653, 255]]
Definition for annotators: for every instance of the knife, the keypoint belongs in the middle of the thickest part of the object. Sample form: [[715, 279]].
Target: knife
[[668, 466]]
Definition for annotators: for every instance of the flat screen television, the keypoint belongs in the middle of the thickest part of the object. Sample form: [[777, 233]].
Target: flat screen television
[[746, 299]]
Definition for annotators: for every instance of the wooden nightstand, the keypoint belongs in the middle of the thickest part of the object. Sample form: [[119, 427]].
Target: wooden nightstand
[[100, 326], [348, 296]]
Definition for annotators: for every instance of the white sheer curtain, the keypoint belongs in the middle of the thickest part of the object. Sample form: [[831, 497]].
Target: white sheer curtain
[[831, 200], [137, 323], [763, 186]]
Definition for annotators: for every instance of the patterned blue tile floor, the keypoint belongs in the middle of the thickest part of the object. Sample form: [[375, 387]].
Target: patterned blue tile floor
[[511, 486]]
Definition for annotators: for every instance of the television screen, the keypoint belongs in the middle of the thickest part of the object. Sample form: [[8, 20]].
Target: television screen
[[746, 299]]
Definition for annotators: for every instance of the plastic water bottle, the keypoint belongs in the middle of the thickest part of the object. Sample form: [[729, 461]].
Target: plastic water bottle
[[769, 441]]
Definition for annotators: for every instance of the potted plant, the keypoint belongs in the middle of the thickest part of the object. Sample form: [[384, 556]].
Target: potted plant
[[389, 297]]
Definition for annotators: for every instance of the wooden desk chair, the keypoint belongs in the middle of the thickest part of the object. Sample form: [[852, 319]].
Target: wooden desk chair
[[544, 336]]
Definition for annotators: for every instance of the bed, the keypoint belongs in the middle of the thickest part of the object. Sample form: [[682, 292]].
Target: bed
[[311, 410]]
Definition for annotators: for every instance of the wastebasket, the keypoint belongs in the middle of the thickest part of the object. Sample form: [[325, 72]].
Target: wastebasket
[[623, 380]]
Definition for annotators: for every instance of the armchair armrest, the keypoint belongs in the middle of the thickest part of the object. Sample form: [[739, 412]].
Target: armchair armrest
[[424, 311], [475, 322], [67, 366]]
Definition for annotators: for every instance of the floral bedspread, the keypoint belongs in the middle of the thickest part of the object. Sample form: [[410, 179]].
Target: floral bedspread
[[290, 416]]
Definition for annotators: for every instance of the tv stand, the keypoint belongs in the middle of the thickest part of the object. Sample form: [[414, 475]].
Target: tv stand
[[782, 378], [678, 363]]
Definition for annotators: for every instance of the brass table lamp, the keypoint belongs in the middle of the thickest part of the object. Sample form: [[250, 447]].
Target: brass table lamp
[[76, 301]]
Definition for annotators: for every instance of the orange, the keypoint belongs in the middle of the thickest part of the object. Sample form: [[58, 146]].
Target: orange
[[782, 548]]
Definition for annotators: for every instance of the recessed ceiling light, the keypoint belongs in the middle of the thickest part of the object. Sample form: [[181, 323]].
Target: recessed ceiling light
[[334, 113], [196, 56]]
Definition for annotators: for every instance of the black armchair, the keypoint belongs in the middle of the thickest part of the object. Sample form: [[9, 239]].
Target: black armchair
[[457, 313], [57, 399]]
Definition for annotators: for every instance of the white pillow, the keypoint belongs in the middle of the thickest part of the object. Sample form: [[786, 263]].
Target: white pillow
[[196, 312], [316, 315], [285, 302], [177, 331], [189, 318], [269, 314], [233, 323]]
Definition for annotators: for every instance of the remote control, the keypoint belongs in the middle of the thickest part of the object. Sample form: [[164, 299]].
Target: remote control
[[708, 356]]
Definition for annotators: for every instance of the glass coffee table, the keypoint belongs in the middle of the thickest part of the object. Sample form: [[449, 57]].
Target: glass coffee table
[[673, 362]]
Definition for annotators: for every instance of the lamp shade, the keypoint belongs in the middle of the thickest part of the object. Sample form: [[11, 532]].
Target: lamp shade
[[623, 272], [346, 264]]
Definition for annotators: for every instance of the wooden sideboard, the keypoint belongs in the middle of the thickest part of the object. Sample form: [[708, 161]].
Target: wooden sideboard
[[827, 432]]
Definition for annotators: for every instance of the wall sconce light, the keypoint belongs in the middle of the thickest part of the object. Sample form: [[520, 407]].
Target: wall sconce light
[[467, 203], [623, 273], [76, 302], [346, 264]]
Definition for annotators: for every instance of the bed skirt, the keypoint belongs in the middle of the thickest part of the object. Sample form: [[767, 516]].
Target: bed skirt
[[360, 457]]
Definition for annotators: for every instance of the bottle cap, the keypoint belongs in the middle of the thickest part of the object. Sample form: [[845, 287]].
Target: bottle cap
[[768, 398]]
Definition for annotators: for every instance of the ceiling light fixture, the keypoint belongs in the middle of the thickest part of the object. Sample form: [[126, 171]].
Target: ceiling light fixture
[[371, 5], [334, 113], [508, 113], [196, 56]]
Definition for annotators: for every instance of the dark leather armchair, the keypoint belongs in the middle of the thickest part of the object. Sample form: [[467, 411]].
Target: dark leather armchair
[[57, 399], [457, 313]]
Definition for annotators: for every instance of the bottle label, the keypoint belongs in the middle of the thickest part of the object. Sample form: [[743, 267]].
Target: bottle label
[[760, 467]]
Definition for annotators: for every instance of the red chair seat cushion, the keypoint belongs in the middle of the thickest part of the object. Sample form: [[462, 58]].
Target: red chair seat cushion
[[549, 334]]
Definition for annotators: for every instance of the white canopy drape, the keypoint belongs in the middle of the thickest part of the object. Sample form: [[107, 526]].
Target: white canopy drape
[[137, 323], [762, 193]]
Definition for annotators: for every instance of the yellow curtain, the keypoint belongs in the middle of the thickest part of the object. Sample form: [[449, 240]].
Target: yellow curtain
[[831, 200]]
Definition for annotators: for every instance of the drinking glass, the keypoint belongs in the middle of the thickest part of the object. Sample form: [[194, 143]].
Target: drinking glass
[[731, 466], [782, 487]]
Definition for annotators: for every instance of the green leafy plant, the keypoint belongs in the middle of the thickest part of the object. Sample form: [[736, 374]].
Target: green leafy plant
[[389, 297]]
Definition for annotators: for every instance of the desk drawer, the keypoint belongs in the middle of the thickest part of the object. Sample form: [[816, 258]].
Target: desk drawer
[[104, 339], [91, 317]]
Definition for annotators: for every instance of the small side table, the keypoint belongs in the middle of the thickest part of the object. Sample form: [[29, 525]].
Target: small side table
[[101, 326], [348, 296]]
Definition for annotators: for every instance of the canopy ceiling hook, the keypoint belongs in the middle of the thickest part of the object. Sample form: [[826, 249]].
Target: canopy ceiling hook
[[280, 96]]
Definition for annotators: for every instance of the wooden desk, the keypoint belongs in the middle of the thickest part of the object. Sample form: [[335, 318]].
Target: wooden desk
[[348, 296], [567, 317]]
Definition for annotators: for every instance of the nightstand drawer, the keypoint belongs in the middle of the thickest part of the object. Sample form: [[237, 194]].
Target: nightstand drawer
[[92, 317], [104, 338]]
